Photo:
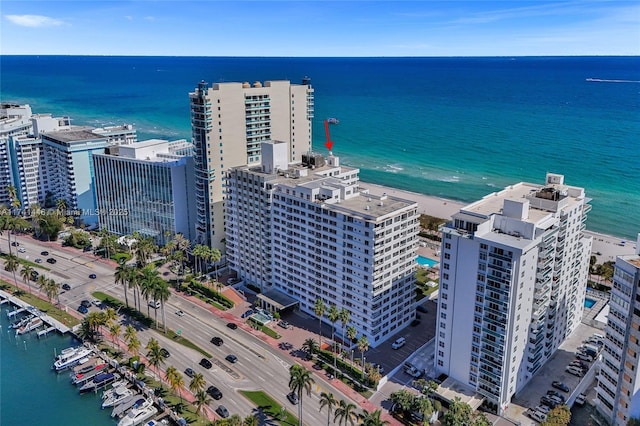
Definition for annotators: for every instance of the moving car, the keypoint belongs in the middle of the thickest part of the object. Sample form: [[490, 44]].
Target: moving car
[[232, 325], [189, 372], [15, 243], [44, 253], [93, 276], [231, 358], [559, 385], [222, 411], [217, 341], [38, 260], [51, 260], [400, 341], [155, 304], [180, 313], [165, 353], [205, 363], [214, 392], [293, 398], [22, 250], [66, 287]]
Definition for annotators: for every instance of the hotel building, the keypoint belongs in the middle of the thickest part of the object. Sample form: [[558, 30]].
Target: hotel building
[[302, 231], [618, 389], [512, 285], [15, 121], [146, 187], [229, 121]]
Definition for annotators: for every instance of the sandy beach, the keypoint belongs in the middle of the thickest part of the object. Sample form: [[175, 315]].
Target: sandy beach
[[605, 247]]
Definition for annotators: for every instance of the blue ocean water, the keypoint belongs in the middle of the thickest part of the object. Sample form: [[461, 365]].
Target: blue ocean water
[[458, 128], [32, 394]]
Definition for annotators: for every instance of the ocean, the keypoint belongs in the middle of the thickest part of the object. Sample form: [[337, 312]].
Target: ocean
[[458, 128], [31, 393]]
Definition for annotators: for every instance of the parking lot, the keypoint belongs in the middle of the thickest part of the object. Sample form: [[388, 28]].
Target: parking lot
[[553, 370]]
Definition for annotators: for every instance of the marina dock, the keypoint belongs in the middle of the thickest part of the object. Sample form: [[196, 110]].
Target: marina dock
[[22, 306]]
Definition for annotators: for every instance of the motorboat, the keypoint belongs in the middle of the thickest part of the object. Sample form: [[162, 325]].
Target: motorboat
[[119, 394], [69, 359], [333, 120], [117, 384], [81, 378], [139, 414], [98, 382], [22, 321], [85, 365], [121, 408], [31, 325]]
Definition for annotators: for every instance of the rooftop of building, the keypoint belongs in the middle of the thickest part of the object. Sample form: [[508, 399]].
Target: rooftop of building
[[151, 150], [494, 202], [74, 134], [633, 259]]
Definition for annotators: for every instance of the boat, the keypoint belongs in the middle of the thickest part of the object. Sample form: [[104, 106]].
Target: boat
[[139, 414], [119, 394], [125, 405], [333, 120], [98, 382], [85, 365], [69, 359], [122, 383], [80, 379], [22, 321], [31, 325]]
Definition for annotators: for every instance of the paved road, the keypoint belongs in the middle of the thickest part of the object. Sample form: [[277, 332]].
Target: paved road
[[259, 366]]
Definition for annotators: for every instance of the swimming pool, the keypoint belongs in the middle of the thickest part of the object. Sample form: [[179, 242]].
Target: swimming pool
[[588, 303], [426, 261]]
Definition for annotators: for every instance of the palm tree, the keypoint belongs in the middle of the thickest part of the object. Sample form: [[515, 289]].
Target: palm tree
[[109, 316], [346, 412], [175, 379], [133, 345], [197, 383], [329, 401], [114, 329], [363, 346], [333, 315], [161, 294], [310, 346], [202, 399], [300, 380], [345, 316], [251, 421], [214, 257], [372, 419], [351, 335], [11, 264], [319, 309], [121, 276], [426, 407], [149, 276], [155, 355], [129, 333], [133, 279]]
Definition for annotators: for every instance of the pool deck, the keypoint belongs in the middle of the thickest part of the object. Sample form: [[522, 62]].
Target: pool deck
[[590, 314]]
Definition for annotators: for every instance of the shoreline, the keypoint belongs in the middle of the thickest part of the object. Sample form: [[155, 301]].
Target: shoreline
[[608, 246]]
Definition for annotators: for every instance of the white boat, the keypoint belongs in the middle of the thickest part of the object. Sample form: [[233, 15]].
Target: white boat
[[98, 382], [31, 325], [80, 379], [118, 395], [69, 359], [139, 414], [123, 406], [22, 321], [119, 384]]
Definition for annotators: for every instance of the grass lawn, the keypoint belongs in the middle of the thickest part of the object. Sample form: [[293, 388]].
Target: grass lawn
[[42, 305], [270, 407], [25, 262]]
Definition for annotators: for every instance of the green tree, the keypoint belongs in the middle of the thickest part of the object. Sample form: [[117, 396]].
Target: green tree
[[202, 399], [425, 407], [161, 294], [559, 416], [319, 309], [197, 383], [363, 346], [333, 315], [345, 316], [115, 329], [459, 413], [251, 421], [351, 335], [346, 412], [403, 399], [154, 355], [310, 346], [327, 400], [175, 379], [11, 264], [372, 419], [121, 276], [300, 380]]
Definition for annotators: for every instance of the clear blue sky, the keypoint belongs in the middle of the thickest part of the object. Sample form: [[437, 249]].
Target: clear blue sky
[[320, 28]]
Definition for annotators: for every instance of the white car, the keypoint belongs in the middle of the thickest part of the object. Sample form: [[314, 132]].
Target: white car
[[97, 302], [180, 313], [400, 341], [580, 399], [21, 250]]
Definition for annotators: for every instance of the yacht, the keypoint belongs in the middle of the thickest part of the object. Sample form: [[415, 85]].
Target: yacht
[[123, 406], [80, 379], [69, 359], [22, 321], [118, 394], [122, 383], [98, 382], [139, 414], [31, 325]]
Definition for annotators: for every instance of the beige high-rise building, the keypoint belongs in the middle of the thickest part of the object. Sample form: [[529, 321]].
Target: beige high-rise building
[[229, 121]]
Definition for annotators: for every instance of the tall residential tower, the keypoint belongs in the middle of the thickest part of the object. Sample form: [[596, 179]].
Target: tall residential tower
[[228, 123], [513, 276]]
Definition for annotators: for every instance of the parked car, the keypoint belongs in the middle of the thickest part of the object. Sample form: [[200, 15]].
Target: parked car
[[538, 416], [86, 303], [222, 411], [232, 325], [415, 322], [584, 357], [217, 341], [377, 367], [205, 363], [293, 398], [189, 372], [44, 253], [51, 260], [66, 287], [231, 358], [559, 385], [15, 243], [247, 313], [575, 371], [283, 324], [232, 281], [545, 400], [34, 275], [214, 392], [155, 304], [400, 341], [96, 302], [165, 353], [580, 399], [83, 309]]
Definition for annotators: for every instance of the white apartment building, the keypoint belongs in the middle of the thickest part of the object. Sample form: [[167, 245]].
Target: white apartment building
[[229, 121], [146, 187], [307, 230], [512, 285], [618, 389], [15, 121]]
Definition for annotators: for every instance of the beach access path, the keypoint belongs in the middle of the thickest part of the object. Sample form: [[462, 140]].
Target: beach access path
[[605, 247]]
